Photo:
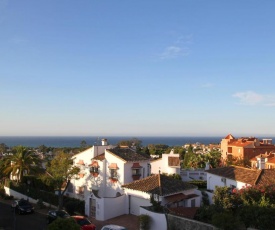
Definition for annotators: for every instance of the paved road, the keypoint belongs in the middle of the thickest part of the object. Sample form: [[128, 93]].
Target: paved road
[[11, 221]]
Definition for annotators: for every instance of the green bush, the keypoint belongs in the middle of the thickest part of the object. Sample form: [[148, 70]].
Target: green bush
[[64, 224], [144, 222], [199, 183], [74, 206], [226, 221]]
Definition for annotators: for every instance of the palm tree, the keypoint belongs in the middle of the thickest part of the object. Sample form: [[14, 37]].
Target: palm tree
[[22, 162]]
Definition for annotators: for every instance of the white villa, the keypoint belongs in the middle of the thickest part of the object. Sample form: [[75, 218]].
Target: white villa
[[168, 164], [117, 180], [104, 169]]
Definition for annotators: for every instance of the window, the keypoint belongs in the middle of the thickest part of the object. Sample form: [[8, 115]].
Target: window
[[113, 173], [79, 190], [94, 168], [136, 172]]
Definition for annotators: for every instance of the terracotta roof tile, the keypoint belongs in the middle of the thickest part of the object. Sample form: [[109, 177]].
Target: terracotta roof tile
[[179, 197], [184, 212], [241, 174], [267, 177], [159, 184], [173, 161], [100, 157], [229, 136], [128, 154], [271, 161]]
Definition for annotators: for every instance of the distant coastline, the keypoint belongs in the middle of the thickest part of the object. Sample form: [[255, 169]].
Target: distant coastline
[[74, 141]]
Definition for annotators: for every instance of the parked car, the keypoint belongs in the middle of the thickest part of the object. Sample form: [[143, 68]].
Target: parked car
[[84, 223], [54, 214], [22, 206], [113, 227]]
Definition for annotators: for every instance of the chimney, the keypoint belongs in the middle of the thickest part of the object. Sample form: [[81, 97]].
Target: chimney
[[104, 142]]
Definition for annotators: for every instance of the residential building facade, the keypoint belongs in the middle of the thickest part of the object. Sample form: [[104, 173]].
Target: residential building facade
[[244, 148]]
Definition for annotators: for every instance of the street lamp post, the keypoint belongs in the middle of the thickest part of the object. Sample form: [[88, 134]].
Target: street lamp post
[[14, 218]]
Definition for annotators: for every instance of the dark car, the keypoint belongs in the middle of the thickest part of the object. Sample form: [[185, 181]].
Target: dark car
[[84, 223], [22, 206], [54, 214]]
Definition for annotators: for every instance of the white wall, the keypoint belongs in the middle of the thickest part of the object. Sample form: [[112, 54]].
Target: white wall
[[111, 188], [128, 170], [18, 195], [107, 208], [156, 165], [214, 180], [158, 220], [142, 196], [189, 175], [162, 164]]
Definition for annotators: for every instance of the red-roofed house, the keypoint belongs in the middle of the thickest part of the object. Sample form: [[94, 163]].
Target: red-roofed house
[[238, 177], [244, 147], [104, 169]]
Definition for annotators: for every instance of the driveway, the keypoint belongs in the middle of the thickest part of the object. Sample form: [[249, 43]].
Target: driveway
[[128, 221]]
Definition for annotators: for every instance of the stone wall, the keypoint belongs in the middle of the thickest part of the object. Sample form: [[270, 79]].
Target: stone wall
[[180, 223]]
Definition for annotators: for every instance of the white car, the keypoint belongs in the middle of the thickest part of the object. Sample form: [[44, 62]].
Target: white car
[[113, 227]]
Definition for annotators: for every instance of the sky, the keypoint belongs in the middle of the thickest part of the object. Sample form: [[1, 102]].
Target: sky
[[137, 68]]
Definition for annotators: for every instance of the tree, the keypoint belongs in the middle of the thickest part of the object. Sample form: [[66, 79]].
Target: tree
[[157, 149], [59, 172], [64, 223], [21, 162], [3, 148], [214, 158], [43, 149], [83, 144], [224, 199], [131, 142], [188, 156]]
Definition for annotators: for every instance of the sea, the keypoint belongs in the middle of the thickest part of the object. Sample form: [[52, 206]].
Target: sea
[[75, 141]]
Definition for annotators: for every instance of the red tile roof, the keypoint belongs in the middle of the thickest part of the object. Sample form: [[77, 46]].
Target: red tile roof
[[113, 166], [159, 184], [128, 154], [229, 136], [184, 212], [179, 197], [267, 177], [100, 157], [136, 166], [271, 161], [240, 143], [241, 174]]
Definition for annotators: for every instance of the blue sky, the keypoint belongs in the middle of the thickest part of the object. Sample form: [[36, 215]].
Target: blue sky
[[162, 68]]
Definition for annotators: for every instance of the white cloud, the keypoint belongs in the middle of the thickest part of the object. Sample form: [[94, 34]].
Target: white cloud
[[252, 98], [187, 39], [173, 52], [180, 47]]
